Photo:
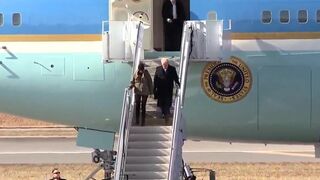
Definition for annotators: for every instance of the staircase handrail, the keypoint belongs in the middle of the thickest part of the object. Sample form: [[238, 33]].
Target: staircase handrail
[[127, 113], [177, 127], [123, 134], [176, 141]]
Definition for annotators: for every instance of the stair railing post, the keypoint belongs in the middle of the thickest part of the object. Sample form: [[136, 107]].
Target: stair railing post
[[177, 129], [127, 111], [138, 46], [130, 110], [185, 61], [124, 116]]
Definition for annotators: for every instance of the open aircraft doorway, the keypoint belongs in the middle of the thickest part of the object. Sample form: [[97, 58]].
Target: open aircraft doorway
[[150, 13], [158, 27]]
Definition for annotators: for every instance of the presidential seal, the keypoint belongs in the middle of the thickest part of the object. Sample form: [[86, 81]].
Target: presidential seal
[[226, 82]]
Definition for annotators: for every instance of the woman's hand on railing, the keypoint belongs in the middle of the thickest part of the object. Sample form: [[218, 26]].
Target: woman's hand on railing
[[132, 85]]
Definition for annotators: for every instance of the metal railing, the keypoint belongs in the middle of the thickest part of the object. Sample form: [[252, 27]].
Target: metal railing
[[127, 113], [121, 40], [138, 47], [175, 167], [125, 124]]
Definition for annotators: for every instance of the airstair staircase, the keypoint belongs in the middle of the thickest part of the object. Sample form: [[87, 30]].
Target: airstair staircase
[[149, 150], [153, 152]]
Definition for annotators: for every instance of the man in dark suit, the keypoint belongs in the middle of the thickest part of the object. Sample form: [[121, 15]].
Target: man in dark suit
[[164, 77], [173, 17]]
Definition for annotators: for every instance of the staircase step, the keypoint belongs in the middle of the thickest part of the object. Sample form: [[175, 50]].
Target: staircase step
[[149, 152], [149, 145], [147, 167], [147, 175], [150, 129], [148, 160], [149, 137]]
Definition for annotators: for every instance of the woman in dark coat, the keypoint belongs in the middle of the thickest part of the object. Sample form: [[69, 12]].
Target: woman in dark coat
[[142, 83]]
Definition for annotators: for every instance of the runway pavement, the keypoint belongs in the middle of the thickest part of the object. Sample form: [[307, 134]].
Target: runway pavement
[[64, 150]]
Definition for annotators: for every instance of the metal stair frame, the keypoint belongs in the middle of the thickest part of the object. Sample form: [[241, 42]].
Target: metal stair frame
[[127, 112], [176, 166]]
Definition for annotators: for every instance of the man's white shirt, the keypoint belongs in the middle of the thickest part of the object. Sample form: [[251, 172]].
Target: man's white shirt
[[174, 10]]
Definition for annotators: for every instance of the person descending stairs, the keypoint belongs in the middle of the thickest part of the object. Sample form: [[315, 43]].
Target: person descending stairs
[[142, 85], [154, 151], [164, 77], [154, 115]]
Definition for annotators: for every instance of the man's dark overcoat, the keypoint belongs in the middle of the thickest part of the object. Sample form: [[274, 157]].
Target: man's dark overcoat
[[172, 30], [163, 85]]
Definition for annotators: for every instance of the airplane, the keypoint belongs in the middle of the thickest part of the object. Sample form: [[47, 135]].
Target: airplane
[[259, 83]]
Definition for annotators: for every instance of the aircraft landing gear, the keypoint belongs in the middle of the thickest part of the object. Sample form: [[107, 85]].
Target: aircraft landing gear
[[106, 159]]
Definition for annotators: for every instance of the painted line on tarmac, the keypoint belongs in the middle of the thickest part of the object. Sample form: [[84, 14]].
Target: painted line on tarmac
[[232, 151], [45, 152], [37, 137], [287, 153], [89, 152], [283, 153]]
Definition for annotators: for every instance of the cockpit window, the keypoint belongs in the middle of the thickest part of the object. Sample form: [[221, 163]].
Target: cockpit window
[[284, 16], [266, 17], [1, 19], [16, 19], [302, 16], [318, 16]]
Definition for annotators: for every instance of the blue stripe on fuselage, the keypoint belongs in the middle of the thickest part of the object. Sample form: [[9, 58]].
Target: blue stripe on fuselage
[[55, 16], [85, 16], [246, 14]]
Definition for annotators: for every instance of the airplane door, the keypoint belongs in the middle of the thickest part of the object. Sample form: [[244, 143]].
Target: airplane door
[[148, 11], [287, 107], [158, 34]]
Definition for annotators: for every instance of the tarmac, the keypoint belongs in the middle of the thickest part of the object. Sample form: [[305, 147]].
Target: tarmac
[[48, 150]]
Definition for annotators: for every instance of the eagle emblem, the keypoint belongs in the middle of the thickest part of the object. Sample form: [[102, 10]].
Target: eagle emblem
[[226, 82], [226, 79]]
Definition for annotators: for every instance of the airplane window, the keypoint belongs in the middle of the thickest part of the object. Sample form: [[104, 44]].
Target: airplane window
[[284, 16], [266, 17], [302, 16], [16, 19], [318, 16], [1, 19]]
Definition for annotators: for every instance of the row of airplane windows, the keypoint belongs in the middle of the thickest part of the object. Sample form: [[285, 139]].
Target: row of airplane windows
[[266, 17], [16, 19]]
